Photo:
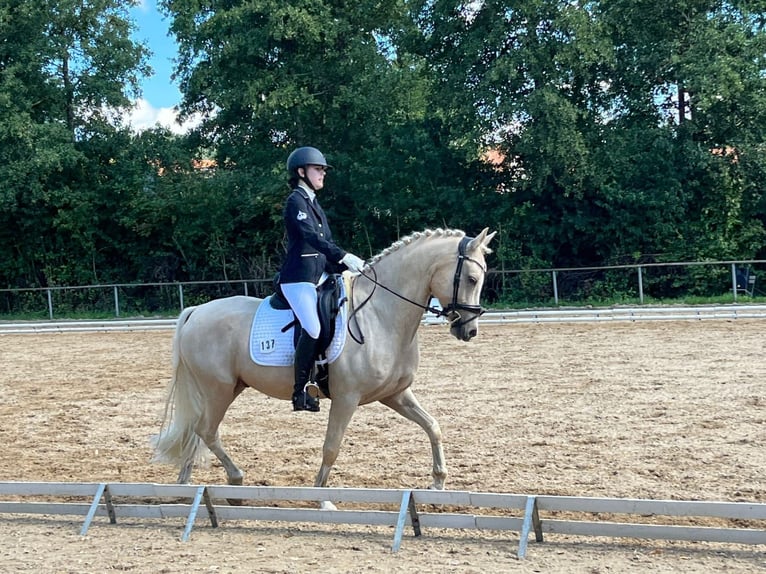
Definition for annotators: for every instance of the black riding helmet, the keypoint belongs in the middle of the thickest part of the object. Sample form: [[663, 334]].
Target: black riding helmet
[[302, 157]]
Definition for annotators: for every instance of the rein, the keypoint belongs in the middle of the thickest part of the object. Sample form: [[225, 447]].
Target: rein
[[453, 307]]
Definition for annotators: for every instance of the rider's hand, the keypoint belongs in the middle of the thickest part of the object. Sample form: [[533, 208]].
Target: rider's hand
[[354, 263]]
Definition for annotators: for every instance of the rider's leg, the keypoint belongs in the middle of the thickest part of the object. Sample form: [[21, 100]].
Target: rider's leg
[[304, 365], [303, 301]]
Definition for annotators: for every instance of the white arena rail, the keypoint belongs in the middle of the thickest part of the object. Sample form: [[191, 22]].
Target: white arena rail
[[691, 313], [390, 507], [20, 327], [626, 314]]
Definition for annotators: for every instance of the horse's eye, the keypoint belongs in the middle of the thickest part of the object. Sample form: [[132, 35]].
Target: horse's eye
[[473, 280]]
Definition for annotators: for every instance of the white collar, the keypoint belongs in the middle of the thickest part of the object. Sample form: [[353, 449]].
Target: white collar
[[308, 190]]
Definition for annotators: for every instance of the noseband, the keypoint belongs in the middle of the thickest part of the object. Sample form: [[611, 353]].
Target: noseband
[[453, 308]]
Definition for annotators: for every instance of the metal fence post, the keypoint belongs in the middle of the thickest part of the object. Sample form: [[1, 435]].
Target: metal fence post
[[734, 280], [555, 289], [640, 285], [116, 302], [50, 305], [181, 295]]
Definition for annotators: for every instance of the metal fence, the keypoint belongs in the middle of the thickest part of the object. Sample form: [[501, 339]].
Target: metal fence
[[633, 284], [519, 288], [124, 299], [528, 514]]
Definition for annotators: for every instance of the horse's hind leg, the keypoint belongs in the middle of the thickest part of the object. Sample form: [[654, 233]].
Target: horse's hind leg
[[408, 406], [184, 476], [207, 429]]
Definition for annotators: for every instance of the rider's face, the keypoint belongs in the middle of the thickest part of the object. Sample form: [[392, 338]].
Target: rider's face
[[315, 174]]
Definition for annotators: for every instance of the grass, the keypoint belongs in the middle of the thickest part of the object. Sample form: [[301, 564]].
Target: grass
[[85, 316]]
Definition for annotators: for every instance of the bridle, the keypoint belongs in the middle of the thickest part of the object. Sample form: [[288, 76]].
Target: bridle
[[453, 308]]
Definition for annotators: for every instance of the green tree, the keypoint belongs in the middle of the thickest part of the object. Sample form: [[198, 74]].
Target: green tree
[[64, 69], [697, 69], [271, 76], [612, 119], [526, 78], [91, 62]]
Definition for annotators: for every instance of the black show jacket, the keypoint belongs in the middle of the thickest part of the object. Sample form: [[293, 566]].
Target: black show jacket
[[310, 248]]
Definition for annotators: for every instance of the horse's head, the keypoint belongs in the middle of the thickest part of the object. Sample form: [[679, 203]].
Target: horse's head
[[458, 282]]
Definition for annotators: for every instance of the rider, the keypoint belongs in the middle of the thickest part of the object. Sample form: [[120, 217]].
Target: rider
[[311, 255]]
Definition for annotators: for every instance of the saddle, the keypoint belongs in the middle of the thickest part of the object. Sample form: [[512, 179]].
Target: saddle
[[329, 302]]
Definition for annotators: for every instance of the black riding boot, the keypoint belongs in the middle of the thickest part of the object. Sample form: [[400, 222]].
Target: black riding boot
[[304, 364]]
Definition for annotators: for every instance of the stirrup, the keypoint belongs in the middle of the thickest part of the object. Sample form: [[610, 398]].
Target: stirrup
[[311, 389]]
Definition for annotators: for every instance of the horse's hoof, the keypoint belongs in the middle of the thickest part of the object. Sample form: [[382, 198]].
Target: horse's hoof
[[235, 481], [327, 505]]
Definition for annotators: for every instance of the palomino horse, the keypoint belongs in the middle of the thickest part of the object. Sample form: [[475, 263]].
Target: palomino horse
[[212, 364]]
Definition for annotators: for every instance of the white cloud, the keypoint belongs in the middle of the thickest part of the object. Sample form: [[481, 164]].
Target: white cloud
[[142, 5], [144, 116]]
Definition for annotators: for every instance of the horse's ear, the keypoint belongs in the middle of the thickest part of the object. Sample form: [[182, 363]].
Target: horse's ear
[[481, 240]]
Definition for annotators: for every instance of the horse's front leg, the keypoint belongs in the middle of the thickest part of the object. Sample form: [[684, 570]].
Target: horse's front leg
[[408, 406], [341, 411]]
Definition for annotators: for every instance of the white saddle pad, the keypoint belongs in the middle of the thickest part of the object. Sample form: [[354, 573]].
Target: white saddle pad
[[270, 347]]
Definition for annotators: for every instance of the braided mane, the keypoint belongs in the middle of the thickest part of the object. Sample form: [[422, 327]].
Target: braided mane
[[412, 238]]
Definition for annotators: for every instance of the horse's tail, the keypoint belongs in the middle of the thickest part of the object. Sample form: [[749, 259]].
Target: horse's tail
[[177, 443]]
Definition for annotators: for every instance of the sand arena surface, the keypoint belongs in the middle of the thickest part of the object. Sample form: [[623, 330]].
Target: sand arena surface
[[662, 410]]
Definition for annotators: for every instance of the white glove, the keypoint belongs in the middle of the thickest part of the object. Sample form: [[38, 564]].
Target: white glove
[[354, 264]]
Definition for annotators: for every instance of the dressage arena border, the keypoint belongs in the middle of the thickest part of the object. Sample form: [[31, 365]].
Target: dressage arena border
[[526, 514], [111, 500], [649, 313]]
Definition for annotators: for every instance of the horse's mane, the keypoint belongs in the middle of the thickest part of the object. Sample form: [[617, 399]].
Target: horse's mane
[[412, 238]]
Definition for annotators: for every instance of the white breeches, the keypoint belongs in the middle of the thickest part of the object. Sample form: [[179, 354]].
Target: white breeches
[[303, 301]]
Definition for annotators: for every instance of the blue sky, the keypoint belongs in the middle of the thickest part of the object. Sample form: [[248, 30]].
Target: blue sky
[[160, 92]]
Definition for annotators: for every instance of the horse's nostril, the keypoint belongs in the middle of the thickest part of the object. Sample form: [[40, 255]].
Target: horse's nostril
[[472, 333]]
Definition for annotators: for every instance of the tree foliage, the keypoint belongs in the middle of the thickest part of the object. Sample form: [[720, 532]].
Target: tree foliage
[[63, 66], [618, 140], [618, 131]]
